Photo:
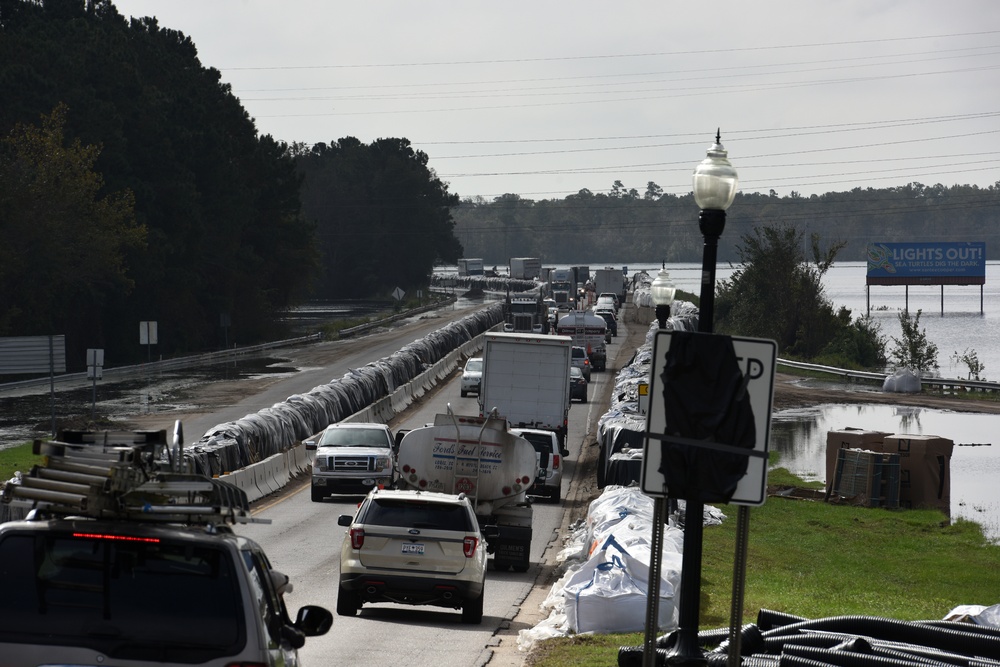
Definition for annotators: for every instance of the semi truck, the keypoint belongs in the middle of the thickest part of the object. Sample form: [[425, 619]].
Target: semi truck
[[525, 268], [527, 313], [480, 457], [526, 380], [587, 330], [563, 289]]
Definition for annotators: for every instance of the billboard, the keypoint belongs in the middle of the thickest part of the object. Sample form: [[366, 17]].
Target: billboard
[[949, 263]]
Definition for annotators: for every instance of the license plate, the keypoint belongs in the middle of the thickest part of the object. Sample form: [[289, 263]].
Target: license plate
[[413, 548]]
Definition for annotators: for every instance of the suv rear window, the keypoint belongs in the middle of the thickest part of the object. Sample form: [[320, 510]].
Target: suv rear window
[[416, 514], [131, 597]]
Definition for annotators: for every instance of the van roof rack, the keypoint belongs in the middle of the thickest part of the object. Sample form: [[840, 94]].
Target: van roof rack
[[125, 475]]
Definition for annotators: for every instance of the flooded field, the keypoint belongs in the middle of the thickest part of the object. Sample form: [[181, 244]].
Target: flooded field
[[28, 414], [799, 436]]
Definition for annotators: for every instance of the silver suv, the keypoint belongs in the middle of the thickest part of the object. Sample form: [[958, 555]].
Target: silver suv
[[138, 566], [413, 547], [352, 458]]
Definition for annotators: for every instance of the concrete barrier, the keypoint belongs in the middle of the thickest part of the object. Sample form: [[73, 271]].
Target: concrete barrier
[[268, 476]]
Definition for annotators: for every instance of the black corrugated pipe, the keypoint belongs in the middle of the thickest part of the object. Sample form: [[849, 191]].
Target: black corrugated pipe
[[988, 630], [799, 661], [773, 643], [845, 658], [963, 643], [904, 654], [768, 619], [751, 641]]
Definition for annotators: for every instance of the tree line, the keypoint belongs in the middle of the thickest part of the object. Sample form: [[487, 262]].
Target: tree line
[[135, 187], [622, 226]]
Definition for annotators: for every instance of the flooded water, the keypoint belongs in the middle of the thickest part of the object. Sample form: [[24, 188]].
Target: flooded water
[[799, 436], [27, 414]]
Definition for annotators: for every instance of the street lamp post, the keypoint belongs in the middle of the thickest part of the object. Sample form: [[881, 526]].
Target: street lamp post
[[662, 292], [714, 189]]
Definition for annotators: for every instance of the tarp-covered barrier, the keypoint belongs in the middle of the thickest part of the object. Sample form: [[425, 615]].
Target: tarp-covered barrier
[[273, 430], [621, 430]]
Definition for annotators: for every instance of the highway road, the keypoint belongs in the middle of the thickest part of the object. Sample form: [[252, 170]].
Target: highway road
[[303, 538], [304, 541]]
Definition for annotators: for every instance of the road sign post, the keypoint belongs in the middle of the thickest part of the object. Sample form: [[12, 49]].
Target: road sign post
[[756, 358]]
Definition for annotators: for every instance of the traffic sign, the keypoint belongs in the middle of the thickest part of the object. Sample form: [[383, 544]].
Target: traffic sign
[[756, 358]]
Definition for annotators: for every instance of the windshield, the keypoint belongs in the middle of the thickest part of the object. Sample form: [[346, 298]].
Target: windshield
[[354, 437], [132, 597], [474, 365]]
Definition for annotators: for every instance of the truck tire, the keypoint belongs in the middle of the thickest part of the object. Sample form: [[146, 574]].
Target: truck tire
[[472, 610], [464, 393], [348, 602], [556, 495], [317, 495]]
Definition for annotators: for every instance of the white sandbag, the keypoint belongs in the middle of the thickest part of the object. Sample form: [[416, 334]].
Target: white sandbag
[[608, 593], [903, 381]]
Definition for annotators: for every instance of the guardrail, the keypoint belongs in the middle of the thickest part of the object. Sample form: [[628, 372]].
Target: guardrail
[[209, 358], [367, 326], [942, 384]]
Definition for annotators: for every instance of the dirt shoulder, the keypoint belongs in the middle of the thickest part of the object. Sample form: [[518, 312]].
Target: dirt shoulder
[[791, 391]]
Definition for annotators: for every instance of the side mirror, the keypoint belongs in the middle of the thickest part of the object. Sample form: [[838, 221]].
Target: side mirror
[[310, 445], [345, 520], [313, 620]]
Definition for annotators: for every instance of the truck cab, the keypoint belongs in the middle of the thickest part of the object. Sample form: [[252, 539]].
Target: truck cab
[[352, 458]]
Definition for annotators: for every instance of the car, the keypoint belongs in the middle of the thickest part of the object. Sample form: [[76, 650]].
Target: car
[[603, 296], [119, 574], [609, 317], [413, 547], [472, 376], [581, 360], [577, 384], [548, 481], [352, 457]]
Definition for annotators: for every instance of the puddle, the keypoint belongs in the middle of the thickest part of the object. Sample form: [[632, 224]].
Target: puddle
[[799, 436]]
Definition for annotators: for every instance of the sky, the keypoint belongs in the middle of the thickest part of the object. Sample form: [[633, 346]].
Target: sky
[[543, 99]]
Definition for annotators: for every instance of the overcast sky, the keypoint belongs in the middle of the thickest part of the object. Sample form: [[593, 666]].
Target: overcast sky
[[545, 98]]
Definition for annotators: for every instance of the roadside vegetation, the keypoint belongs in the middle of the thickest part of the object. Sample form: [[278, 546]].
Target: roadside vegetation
[[816, 560], [777, 292]]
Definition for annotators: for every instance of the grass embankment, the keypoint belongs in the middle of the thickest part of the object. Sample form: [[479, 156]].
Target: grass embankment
[[815, 560], [17, 458]]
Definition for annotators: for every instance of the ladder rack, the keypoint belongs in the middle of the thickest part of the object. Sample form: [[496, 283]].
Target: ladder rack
[[125, 475]]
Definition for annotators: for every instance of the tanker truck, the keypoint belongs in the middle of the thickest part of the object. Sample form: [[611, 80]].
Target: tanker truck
[[494, 468]]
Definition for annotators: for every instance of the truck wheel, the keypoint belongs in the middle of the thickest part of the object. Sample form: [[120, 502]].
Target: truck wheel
[[464, 393], [317, 495], [521, 567], [348, 602], [472, 610], [556, 495], [500, 565], [584, 399]]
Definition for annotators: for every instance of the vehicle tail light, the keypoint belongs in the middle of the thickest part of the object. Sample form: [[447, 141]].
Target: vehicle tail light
[[357, 537], [469, 545], [555, 462]]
